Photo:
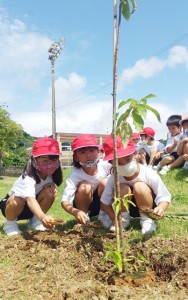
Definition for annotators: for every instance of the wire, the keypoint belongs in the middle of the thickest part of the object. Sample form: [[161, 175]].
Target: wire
[[154, 56]]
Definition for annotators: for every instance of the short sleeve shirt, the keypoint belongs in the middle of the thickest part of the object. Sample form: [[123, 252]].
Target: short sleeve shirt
[[145, 175], [27, 186], [78, 175]]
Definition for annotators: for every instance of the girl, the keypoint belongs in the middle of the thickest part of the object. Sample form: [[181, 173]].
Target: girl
[[145, 185], [85, 184], [34, 191]]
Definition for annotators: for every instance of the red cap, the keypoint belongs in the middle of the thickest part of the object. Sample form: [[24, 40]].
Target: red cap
[[183, 120], [149, 131], [135, 135], [45, 146], [84, 140], [121, 150]]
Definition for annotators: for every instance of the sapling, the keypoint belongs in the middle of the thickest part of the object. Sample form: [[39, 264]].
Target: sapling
[[136, 111]]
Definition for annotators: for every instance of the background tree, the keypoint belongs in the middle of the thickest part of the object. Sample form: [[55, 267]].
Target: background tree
[[15, 144]]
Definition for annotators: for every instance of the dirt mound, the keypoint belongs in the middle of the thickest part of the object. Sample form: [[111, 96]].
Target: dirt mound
[[69, 264]]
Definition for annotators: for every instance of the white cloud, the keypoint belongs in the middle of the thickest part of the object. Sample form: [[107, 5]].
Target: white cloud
[[178, 55], [24, 63], [148, 68]]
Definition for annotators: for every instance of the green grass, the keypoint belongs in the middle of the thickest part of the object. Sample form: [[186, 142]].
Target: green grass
[[176, 183]]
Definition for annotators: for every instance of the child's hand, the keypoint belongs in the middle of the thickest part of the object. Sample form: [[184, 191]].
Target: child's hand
[[159, 210], [175, 141], [81, 217], [47, 221]]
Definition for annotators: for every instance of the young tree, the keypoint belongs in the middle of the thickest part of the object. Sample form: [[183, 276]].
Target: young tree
[[137, 111]]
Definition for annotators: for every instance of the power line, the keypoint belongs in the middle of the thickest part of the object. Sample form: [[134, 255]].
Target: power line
[[154, 56]]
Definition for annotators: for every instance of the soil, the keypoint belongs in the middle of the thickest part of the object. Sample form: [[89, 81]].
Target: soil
[[69, 264]]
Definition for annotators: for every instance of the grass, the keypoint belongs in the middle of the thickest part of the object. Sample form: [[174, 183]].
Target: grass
[[176, 182]]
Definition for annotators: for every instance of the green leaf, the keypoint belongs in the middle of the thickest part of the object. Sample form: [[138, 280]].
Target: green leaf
[[115, 116], [134, 6], [125, 132], [150, 96], [155, 112], [142, 110], [125, 9], [137, 120], [123, 117], [118, 260], [124, 102], [143, 258]]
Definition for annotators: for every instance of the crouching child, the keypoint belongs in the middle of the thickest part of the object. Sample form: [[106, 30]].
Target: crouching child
[[144, 186]]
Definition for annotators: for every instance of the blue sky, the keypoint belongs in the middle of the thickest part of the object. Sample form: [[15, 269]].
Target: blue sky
[[153, 58]]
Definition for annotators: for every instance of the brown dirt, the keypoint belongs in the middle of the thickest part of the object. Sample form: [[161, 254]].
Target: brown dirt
[[69, 264]]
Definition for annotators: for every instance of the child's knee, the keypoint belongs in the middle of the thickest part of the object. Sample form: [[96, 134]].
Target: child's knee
[[84, 188], [15, 202], [124, 189]]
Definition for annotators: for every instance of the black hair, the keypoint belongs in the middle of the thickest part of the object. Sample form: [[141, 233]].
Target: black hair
[[76, 163], [174, 120], [184, 121], [31, 171]]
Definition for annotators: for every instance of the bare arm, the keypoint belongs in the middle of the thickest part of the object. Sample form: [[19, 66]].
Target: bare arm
[[79, 215], [181, 146], [173, 146], [37, 211], [160, 209]]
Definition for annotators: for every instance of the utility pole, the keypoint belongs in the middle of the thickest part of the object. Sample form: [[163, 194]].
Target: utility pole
[[55, 51]]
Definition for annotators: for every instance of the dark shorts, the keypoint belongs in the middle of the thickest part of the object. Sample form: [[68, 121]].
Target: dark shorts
[[25, 215], [134, 211], [175, 155], [155, 162], [94, 207]]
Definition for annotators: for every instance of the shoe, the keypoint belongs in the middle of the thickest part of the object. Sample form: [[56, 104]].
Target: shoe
[[126, 217], [112, 228], [88, 219], [185, 166], [147, 224], [36, 224], [164, 170], [104, 218], [11, 228], [157, 168], [150, 166], [125, 224]]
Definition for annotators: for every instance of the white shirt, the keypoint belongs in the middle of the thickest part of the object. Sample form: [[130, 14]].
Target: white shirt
[[170, 141], [27, 187], [157, 146], [145, 175], [78, 175]]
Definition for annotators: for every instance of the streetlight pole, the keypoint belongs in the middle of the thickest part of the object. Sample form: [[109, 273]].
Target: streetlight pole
[[55, 51]]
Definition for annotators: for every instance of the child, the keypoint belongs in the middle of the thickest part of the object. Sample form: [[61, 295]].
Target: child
[[183, 146], [101, 152], [34, 191], [172, 160], [150, 150], [146, 186], [135, 137], [85, 184]]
